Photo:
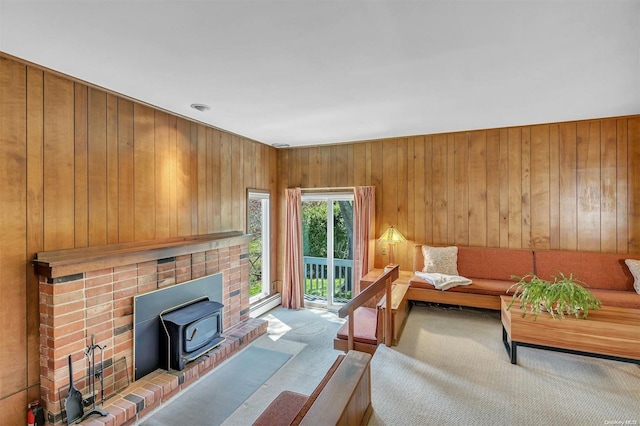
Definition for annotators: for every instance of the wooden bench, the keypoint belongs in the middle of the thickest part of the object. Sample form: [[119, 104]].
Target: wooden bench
[[343, 397]]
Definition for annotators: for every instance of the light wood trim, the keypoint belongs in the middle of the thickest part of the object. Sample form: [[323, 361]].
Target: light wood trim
[[346, 398], [454, 298], [61, 263]]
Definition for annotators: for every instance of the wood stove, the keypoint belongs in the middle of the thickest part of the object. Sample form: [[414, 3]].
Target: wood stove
[[191, 330]]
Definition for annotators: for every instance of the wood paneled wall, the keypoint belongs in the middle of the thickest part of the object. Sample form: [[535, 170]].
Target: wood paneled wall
[[569, 186], [83, 167]]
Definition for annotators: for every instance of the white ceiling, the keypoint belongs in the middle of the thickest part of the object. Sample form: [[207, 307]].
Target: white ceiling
[[315, 72]]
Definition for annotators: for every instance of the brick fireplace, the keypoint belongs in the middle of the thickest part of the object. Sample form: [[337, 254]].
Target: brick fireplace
[[89, 291]]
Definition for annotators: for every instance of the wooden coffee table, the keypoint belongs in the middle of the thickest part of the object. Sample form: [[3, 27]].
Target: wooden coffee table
[[611, 332]]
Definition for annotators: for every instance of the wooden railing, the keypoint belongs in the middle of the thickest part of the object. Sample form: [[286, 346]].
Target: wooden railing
[[314, 270], [384, 281]]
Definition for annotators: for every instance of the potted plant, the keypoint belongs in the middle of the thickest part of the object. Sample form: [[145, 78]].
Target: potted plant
[[563, 296]]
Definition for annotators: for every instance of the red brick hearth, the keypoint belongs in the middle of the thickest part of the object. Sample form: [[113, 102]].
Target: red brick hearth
[[85, 292]]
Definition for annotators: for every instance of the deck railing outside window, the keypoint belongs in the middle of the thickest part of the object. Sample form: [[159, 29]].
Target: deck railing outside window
[[315, 279]]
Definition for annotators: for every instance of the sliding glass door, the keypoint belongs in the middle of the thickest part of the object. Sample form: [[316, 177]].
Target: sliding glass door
[[327, 228]]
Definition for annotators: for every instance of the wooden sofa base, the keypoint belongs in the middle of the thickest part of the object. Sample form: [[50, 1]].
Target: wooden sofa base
[[473, 300]]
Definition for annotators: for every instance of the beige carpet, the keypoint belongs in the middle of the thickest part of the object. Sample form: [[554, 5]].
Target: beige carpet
[[451, 368]]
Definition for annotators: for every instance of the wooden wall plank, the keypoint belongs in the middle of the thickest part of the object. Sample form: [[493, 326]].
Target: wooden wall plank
[[401, 206], [411, 190], [252, 168], [376, 180], [427, 141], [526, 188], [633, 167], [315, 167], [97, 166], [193, 140], [349, 170], [451, 189], [80, 162], [162, 173], [216, 174], [477, 183], [144, 166], [341, 165], [225, 180], [13, 227], [505, 215], [568, 189], [515, 188], [554, 187], [238, 189], [201, 144], [622, 187], [126, 204], [461, 200], [417, 190], [173, 176], [390, 180], [34, 212], [608, 183], [360, 164], [439, 192], [112, 169], [588, 185], [58, 167], [209, 179], [493, 188], [183, 176], [540, 199]]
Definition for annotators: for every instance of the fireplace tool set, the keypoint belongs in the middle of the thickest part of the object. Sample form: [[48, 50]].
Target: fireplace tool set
[[73, 401]]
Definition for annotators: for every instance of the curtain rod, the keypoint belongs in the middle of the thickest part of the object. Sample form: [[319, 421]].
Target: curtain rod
[[327, 188]]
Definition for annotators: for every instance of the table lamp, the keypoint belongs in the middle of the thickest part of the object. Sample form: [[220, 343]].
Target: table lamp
[[391, 236]]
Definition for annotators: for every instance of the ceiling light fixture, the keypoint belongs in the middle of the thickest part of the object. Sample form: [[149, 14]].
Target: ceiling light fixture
[[201, 107], [280, 145]]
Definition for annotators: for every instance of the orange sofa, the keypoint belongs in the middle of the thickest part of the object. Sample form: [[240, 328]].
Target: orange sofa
[[491, 269]]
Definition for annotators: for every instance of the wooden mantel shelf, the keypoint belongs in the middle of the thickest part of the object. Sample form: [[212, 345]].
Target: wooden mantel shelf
[[61, 263]]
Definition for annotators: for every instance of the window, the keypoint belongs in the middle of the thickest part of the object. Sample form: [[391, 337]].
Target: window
[[259, 250], [327, 244]]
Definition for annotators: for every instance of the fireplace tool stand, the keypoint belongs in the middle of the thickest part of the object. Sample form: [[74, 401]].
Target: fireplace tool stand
[[90, 354]]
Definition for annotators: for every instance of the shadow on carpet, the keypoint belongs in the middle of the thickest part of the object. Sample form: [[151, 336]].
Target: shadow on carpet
[[211, 400]]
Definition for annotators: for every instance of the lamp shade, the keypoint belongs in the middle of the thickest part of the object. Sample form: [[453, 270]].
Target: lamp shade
[[392, 235]]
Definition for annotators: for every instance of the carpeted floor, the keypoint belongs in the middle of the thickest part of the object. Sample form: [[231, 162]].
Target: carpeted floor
[[451, 368]]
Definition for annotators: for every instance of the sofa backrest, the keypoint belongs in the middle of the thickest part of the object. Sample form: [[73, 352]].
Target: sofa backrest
[[596, 270], [487, 263]]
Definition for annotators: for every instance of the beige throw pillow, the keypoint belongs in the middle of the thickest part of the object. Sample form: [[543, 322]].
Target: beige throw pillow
[[443, 260], [634, 267]]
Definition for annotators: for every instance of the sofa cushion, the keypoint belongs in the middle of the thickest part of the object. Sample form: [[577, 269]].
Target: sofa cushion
[[283, 410], [623, 299], [483, 262], [596, 270], [477, 286], [494, 263], [365, 326], [443, 260]]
